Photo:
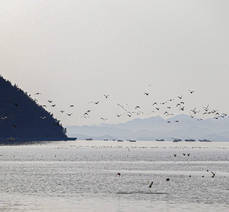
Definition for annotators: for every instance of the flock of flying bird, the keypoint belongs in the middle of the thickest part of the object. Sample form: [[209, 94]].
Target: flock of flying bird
[[212, 174], [167, 108]]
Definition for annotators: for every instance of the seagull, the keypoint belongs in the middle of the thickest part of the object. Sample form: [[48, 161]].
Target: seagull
[[62, 111], [137, 107], [213, 174], [191, 91], [69, 114], [119, 174], [180, 97], [71, 105], [118, 115], [147, 94], [37, 93], [106, 96], [50, 101], [104, 119], [129, 115], [54, 105], [151, 184], [43, 117], [96, 102]]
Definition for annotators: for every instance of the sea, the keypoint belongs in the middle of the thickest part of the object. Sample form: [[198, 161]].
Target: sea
[[97, 176]]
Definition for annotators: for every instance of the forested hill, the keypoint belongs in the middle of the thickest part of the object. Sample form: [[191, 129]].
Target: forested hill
[[22, 119]]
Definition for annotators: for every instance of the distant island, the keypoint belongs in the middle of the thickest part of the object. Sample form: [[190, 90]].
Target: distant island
[[22, 120], [157, 128]]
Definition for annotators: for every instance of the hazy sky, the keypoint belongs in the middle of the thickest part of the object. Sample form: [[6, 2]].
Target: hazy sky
[[75, 51]]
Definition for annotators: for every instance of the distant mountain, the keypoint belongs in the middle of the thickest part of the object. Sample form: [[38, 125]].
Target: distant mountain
[[22, 119], [157, 128]]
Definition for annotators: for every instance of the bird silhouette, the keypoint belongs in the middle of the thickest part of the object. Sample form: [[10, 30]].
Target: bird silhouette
[[151, 184]]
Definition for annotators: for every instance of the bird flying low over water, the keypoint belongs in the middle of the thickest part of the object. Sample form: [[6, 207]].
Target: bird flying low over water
[[151, 184]]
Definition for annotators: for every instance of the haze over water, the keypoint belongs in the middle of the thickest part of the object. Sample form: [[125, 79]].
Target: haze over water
[[82, 176]]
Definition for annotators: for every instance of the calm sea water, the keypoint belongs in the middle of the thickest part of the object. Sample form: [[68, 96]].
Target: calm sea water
[[82, 176]]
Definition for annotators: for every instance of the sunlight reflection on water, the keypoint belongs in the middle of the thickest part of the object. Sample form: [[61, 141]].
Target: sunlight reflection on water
[[82, 176]]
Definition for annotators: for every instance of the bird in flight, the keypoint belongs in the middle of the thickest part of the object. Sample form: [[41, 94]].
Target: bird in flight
[[147, 94], [71, 105], [191, 91], [151, 184], [106, 96]]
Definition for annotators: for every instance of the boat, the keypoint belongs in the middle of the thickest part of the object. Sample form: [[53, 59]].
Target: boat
[[190, 140], [160, 139], [89, 139], [177, 140], [130, 140], [71, 139], [204, 140]]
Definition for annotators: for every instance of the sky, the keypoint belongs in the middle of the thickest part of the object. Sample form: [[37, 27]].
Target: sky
[[74, 52]]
